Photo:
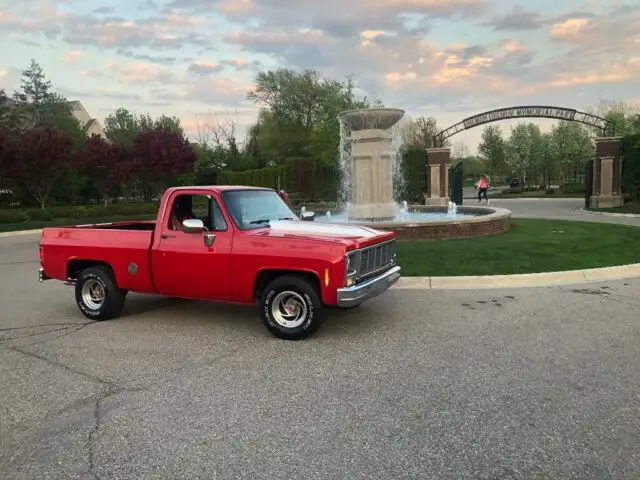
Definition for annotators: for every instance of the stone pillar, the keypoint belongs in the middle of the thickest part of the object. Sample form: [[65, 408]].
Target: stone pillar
[[607, 178], [371, 175], [438, 184]]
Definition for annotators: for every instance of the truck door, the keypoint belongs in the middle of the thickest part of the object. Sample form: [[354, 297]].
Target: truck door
[[182, 265]]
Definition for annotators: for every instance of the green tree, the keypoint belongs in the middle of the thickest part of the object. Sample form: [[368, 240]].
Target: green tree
[[122, 126], [518, 150], [37, 104], [421, 132], [624, 117], [572, 146], [492, 150], [299, 114]]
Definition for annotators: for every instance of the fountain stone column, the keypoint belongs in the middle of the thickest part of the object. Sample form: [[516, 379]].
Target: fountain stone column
[[371, 163], [438, 177], [607, 178]]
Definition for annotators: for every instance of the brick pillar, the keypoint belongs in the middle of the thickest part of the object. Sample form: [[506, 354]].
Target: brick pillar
[[438, 184], [607, 178]]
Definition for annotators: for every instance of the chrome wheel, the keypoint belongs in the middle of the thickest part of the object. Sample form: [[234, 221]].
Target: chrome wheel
[[93, 294], [289, 309]]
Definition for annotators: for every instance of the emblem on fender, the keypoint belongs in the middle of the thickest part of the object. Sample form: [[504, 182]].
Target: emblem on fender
[[132, 268]]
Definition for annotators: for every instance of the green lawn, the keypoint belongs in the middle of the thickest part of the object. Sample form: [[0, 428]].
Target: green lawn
[[530, 246], [59, 222], [628, 208]]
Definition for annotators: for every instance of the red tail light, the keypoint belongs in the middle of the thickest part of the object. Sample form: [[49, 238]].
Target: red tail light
[[40, 249]]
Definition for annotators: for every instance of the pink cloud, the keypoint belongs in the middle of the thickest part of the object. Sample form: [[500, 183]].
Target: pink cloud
[[72, 56]]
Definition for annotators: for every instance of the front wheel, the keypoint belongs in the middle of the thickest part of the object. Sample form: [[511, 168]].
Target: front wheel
[[97, 295], [290, 307]]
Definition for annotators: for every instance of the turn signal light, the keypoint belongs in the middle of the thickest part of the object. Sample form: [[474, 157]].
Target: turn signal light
[[326, 277]]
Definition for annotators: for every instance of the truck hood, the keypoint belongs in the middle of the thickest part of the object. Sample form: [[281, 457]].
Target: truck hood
[[328, 232]]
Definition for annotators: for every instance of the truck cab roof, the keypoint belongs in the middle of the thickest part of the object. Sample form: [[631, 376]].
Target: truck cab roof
[[217, 188]]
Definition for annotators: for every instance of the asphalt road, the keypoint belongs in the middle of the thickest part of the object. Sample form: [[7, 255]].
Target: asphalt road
[[487, 384], [552, 208]]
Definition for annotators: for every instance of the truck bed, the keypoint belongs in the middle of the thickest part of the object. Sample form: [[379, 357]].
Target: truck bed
[[145, 225], [126, 246]]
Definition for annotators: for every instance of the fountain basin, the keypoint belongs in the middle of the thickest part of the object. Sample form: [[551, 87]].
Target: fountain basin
[[426, 222], [371, 118]]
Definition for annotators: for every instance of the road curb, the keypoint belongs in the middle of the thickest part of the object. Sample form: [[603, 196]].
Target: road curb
[[19, 232], [609, 214], [545, 279]]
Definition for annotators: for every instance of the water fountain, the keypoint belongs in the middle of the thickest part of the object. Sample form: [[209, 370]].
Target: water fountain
[[370, 162]]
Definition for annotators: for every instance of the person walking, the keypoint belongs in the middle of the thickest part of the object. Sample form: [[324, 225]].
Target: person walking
[[483, 186]]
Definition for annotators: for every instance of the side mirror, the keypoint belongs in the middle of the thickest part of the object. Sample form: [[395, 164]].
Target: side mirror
[[193, 225], [307, 216]]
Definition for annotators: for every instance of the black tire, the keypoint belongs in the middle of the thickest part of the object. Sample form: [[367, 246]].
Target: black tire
[[303, 295], [113, 297]]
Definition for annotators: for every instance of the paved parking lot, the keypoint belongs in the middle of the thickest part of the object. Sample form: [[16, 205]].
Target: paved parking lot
[[495, 384]]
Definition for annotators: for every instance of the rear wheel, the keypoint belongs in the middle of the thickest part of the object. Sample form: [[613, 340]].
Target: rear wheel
[[290, 307], [97, 295]]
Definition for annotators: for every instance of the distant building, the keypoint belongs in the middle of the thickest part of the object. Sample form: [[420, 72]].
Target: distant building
[[89, 125]]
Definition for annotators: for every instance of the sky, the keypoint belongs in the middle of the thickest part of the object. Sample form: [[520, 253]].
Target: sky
[[196, 59]]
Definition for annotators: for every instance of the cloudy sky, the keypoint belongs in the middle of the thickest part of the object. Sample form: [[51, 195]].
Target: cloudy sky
[[446, 58]]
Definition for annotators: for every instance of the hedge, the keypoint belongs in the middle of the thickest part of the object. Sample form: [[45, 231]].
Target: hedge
[[301, 177], [572, 188], [306, 179], [631, 166], [76, 212]]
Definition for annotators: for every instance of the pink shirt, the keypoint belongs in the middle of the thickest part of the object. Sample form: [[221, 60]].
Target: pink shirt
[[482, 183]]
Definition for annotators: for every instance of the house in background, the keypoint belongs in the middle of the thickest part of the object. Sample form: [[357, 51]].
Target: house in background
[[91, 126]]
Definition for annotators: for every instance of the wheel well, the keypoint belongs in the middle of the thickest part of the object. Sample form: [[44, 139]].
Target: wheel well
[[76, 266], [266, 276]]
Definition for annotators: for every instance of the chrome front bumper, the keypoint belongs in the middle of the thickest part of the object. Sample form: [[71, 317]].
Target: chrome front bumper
[[355, 295]]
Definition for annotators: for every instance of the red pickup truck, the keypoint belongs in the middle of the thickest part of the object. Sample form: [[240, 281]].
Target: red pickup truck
[[228, 244]]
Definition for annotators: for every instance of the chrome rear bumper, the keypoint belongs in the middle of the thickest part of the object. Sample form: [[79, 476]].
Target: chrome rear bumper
[[42, 276], [355, 295]]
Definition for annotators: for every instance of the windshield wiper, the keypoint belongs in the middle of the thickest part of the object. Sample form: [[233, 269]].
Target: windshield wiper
[[259, 222], [286, 218]]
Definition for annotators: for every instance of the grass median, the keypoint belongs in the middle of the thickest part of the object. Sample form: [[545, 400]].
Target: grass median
[[531, 246]]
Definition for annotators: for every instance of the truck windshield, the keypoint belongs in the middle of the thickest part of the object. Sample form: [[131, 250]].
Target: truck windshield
[[256, 208]]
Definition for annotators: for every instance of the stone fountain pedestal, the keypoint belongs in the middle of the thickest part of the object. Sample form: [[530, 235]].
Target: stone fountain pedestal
[[371, 163], [438, 177]]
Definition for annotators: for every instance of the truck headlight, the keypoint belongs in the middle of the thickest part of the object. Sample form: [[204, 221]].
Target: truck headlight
[[350, 268]]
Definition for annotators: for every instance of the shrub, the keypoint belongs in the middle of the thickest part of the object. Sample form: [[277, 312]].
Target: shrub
[[572, 188], [77, 212], [38, 215], [12, 216], [550, 191]]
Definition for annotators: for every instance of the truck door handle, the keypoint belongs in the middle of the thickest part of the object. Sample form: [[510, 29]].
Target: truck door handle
[[164, 235]]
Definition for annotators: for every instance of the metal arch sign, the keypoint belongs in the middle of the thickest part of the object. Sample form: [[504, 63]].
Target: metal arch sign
[[527, 111]]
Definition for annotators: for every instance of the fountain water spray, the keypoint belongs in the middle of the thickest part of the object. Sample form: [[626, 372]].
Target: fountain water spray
[[371, 173], [452, 209]]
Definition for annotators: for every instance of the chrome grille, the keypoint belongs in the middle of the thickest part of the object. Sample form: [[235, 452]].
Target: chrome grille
[[377, 258]]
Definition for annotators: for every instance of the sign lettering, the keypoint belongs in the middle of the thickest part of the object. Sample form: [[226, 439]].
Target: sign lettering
[[534, 111], [519, 112]]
